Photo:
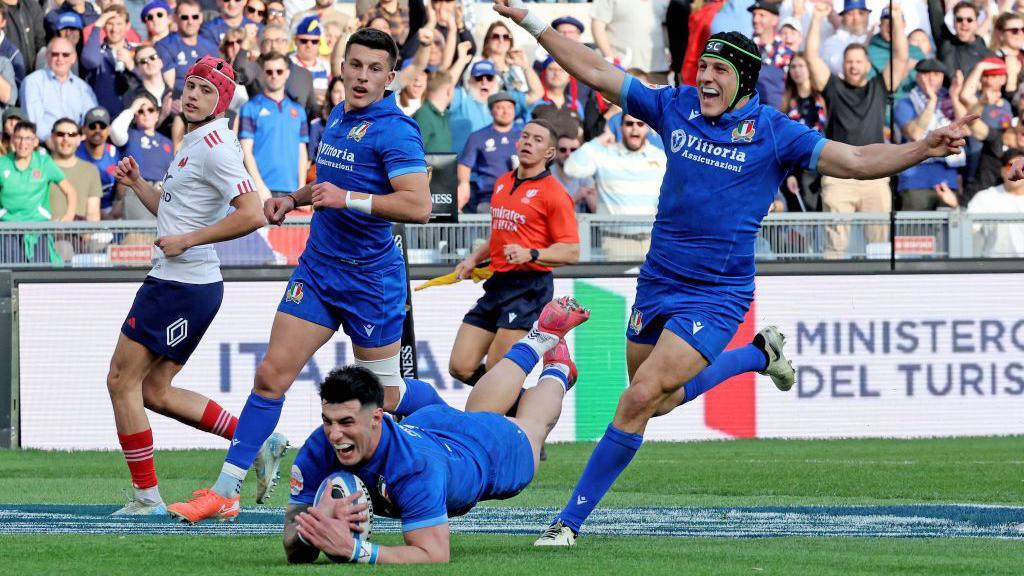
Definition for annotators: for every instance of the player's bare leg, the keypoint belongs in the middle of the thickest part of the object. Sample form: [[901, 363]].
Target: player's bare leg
[[129, 365], [541, 406], [468, 351]]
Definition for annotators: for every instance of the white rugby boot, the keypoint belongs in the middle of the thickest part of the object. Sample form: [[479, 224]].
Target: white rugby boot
[[268, 465], [779, 368], [558, 534], [136, 507]]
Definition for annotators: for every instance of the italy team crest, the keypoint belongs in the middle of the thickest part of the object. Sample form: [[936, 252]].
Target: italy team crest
[[294, 293], [744, 132], [636, 321], [358, 132]]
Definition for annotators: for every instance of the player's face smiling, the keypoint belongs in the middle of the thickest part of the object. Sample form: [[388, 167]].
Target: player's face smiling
[[716, 84], [198, 99], [366, 74], [354, 431]]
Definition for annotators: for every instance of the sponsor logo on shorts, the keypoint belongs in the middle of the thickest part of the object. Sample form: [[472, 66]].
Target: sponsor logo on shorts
[[176, 332], [294, 293], [296, 480], [636, 321]]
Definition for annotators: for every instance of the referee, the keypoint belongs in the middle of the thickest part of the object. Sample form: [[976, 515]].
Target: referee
[[533, 229]]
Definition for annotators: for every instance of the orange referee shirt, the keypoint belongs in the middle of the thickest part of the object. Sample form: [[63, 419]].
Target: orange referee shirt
[[533, 213]]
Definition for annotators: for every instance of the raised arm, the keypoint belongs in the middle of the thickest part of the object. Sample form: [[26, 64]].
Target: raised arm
[[578, 60], [881, 160], [896, 69], [812, 52]]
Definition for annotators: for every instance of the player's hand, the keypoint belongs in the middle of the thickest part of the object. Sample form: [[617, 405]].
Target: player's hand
[[464, 269], [173, 245], [127, 171], [276, 209], [343, 509], [949, 139], [516, 254], [330, 535], [327, 195], [510, 9]]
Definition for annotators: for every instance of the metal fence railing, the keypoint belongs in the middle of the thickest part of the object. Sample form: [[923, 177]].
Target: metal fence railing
[[783, 237]]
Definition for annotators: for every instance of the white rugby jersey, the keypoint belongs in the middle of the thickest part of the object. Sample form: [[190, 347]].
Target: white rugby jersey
[[206, 174]]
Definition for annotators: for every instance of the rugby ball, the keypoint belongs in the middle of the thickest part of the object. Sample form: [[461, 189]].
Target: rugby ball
[[342, 484]]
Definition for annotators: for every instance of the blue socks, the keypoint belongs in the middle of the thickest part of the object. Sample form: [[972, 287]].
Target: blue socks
[[749, 358], [613, 453], [524, 356], [256, 423], [554, 372], [418, 394]]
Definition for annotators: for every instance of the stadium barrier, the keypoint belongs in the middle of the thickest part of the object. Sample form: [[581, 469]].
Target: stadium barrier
[[784, 237], [878, 354]]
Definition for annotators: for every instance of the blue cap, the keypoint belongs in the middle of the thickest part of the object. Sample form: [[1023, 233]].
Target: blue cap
[[483, 68], [855, 5], [310, 26], [567, 20], [68, 20], [155, 5]]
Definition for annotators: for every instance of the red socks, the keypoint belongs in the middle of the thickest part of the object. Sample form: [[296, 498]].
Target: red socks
[[138, 453], [219, 421]]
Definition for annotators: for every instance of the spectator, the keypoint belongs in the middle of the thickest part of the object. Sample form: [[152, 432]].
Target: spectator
[[628, 177], [581, 189], [307, 55], [432, 116], [276, 14], [256, 11], [856, 115], [55, 92], [134, 133], [25, 178], [8, 84], [299, 88], [156, 17], [633, 37], [393, 13], [11, 116], [982, 93], [555, 86], [181, 49], [83, 176], [487, 154], [880, 48], [96, 150], [569, 27], [853, 29], [335, 96], [10, 50], [499, 47], [232, 15], [449, 21], [700, 23], [920, 39], [106, 66], [1007, 41], [733, 17], [23, 26], [802, 102], [469, 109], [765, 16], [274, 133], [960, 51], [147, 78], [67, 25], [87, 14], [791, 31], [411, 95], [930, 184], [1001, 240]]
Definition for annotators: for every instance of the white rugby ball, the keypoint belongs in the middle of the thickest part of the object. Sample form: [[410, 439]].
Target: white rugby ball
[[343, 484]]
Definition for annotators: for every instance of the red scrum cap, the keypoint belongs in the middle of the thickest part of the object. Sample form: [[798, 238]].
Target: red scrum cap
[[220, 74]]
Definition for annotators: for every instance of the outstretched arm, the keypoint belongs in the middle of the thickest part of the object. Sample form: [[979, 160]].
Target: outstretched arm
[[578, 60], [882, 160], [815, 65]]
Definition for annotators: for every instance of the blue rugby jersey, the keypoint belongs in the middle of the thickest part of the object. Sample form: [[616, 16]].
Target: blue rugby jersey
[[722, 177], [361, 151]]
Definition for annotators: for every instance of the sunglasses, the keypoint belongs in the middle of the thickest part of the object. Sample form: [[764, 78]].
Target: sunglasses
[[61, 134], [60, 54], [149, 110], [155, 16], [251, 10], [232, 42], [487, 77], [307, 40], [275, 71], [1014, 31], [964, 20], [147, 59], [501, 37], [565, 150], [275, 13], [187, 17], [633, 123], [96, 126]]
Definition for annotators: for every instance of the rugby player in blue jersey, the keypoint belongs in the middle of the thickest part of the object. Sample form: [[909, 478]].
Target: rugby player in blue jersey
[[371, 172], [439, 462], [727, 155]]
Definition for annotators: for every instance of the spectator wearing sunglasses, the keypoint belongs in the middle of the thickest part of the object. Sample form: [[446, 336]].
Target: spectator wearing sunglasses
[[134, 133], [85, 11], [181, 49], [69, 26], [232, 15], [148, 78], [82, 175], [156, 17], [963, 49], [97, 150], [107, 63], [1007, 42], [581, 189], [55, 92], [276, 14], [396, 15], [307, 55]]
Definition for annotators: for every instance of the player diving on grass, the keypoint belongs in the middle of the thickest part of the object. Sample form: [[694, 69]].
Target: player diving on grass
[[371, 171], [439, 462], [182, 293], [727, 155]]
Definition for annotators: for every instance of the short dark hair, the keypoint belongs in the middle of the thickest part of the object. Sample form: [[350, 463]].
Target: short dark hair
[[375, 40], [547, 125], [24, 125], [352, 383], [65, 120], [1010, 154], [964, 4], [855, 46], [271, 56]]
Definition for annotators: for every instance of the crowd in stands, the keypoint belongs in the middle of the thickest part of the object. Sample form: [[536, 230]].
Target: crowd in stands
[[83, 84]]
